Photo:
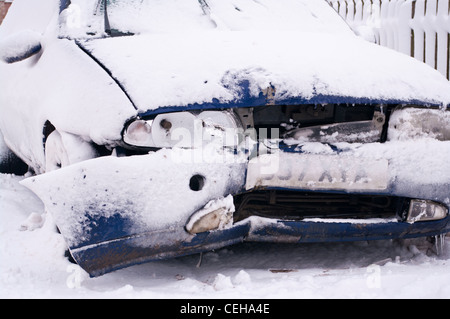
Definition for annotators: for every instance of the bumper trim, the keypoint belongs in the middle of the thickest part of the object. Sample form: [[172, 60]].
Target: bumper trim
[[119, 253], [321, 231]]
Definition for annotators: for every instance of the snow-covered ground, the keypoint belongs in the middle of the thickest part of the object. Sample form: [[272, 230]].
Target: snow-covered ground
[[32, 265]]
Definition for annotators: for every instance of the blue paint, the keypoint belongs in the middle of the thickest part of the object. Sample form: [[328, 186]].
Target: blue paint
[[298, 148], [63, 4], [23, 55], [125, 251], [310, 232], [245, 99], [151, 246], [116, 242], [102, 229]]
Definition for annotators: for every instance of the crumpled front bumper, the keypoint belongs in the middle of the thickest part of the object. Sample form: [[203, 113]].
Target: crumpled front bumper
[[118, 211]]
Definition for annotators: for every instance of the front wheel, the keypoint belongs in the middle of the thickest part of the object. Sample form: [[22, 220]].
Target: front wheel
[[10, 163], [64, 149]]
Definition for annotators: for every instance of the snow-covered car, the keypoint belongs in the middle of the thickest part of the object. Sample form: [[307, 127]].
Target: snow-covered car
[[157, 129]]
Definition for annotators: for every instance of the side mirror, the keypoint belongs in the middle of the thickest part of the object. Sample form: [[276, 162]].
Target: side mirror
[[20, 46]]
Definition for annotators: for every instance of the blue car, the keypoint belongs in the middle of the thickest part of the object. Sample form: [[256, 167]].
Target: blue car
[[155, 129]]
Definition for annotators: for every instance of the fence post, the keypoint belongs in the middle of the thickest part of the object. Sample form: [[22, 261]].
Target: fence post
[[376, 19], [430, 33], [403, 29], [418, 31], [358, 7], [343, 9]]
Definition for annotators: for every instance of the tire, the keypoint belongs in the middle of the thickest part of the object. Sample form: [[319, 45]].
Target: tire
[[64, 149], [10, 163], [55, 153]]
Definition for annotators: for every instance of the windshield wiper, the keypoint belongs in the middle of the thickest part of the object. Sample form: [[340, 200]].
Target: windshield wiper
[[205, 7], [108, 30], [214, 19], [105, 12]]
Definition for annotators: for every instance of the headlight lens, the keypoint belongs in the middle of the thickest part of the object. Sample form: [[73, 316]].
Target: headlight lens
[[138, 133], [410, 123], [425, 210], [185, 129]]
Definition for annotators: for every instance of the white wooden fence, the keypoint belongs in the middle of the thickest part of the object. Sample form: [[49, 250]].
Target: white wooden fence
[[420, 28]]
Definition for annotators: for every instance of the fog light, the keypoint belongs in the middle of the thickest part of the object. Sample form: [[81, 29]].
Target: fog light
[[216, 215], [423, 210]]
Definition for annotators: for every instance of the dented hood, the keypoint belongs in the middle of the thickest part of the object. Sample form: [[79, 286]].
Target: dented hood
[[226, 68]]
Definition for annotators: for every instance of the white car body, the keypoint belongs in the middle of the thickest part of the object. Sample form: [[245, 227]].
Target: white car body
[[83, 88]]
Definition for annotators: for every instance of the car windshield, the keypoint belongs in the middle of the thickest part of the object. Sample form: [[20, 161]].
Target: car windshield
[[84, 18]]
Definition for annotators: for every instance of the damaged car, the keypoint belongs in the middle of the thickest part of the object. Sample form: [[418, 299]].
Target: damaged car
[[156, 129]]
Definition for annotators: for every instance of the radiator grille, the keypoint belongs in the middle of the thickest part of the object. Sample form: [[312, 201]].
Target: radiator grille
[[290, 205]]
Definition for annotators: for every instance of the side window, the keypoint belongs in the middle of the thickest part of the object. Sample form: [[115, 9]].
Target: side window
[[30, 15]]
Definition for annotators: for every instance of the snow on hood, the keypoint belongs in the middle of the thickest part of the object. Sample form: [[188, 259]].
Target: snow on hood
[[225, 67]]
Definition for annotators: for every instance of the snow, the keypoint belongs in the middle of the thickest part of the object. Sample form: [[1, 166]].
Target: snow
[[265, 43], [32, 265], [395, 162], [19, 45], [200, 73], [29, 19], [145, 188], [32, 262], [183, 16], [391, 24], [176, 68]]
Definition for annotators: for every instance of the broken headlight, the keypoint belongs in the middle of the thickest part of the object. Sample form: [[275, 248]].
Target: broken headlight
[[411, 123], [184, 129], [425, 210]]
